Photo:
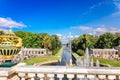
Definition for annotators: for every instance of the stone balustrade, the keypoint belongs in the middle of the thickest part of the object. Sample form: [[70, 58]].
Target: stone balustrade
[[60, 73]]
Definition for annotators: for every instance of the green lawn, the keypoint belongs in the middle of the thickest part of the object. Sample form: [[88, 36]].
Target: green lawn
[[41, 59], [107, 62], [77, 56]]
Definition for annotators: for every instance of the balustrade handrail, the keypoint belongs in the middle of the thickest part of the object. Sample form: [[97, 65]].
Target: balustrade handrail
[[69, 70]]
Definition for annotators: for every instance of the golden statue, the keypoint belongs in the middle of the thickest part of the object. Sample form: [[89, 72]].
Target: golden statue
[[10, 45]]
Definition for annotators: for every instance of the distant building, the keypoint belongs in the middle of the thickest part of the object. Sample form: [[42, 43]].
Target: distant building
[[105, 53], [33, 51]]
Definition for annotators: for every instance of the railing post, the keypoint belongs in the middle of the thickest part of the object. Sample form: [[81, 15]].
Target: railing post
[[60, 76], [31, 75], [51, 76], [70, 76], [22, 76]]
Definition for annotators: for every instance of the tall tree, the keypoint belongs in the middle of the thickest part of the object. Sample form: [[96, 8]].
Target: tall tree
[[105, 41], [116, 41]]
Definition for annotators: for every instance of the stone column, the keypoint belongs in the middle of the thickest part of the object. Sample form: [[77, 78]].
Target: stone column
[[60, 76], [70, 76], [22, 76], [111, 77], [80, 76], [51, 76], [40, 75], [101, 77], [31, 75]]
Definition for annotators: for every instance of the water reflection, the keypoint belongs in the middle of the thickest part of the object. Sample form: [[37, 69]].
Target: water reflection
[[65, 57]]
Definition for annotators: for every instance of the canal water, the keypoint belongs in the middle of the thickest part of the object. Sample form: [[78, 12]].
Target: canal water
[[66, 56]]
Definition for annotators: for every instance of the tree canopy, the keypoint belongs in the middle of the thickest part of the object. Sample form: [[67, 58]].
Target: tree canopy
[[106, 40], [1, 32], [40, 40]]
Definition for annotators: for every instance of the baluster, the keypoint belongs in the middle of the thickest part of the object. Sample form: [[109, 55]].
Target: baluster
[[40, 75], [91, 77], [111, 77], [22, 76], [60, 76], [70, 76], [51, 76], [31, 75], [101, 77], [80, 76]]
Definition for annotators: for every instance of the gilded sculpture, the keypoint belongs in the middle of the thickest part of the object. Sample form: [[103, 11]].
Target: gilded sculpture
[[10, 45]]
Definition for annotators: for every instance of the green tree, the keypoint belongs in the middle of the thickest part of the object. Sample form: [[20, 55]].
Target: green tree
[[116, 41], [1, 32], [105, 41], [80, 52], [56, 44], [42, 40], [47, 42], [83, 41]]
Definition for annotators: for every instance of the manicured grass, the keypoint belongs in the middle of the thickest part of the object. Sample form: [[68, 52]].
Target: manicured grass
[[32, 61], [41, 59], [77, 56], [107, 62]]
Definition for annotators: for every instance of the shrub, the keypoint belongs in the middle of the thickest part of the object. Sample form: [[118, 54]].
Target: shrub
[[80, 52]]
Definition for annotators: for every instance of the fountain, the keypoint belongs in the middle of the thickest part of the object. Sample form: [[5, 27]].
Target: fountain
[[86, 59], [86, 62], [97, 63], [10, 45]]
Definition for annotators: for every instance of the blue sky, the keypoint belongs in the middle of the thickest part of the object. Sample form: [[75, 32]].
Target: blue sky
[[61, 16]]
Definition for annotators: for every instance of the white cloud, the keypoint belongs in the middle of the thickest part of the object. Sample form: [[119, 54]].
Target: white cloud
[[83, 28], [76, 36], [99, 30], [59, 35], [6, 23], [117, 7], [66, 39]]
